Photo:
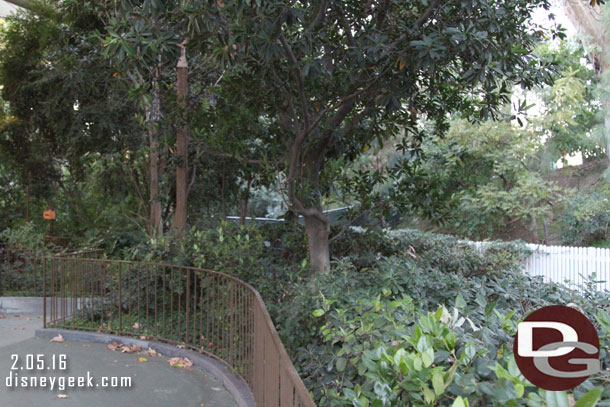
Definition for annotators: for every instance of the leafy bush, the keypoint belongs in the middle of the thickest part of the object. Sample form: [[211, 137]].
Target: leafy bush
[[25, 236], [405, 318], [586, 218], [271, 257], [389, 355], [361, 343]]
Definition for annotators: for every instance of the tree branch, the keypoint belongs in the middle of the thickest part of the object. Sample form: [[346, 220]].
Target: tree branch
[[348, 32], [345, 99], [320, 15], [284, 121], [297, 76], [193, 176], [382, 14], [220, 154], [418, 23], [348, 225], [424, 17]]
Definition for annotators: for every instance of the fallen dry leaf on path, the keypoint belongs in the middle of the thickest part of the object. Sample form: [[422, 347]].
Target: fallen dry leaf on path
[[123, 348], [58, 338], [113, 346], [184, 363], [2, 316], [151, 352], [130, 349], [141, 360]]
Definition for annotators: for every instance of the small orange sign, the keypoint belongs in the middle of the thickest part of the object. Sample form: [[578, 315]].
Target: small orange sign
[[49, 214]]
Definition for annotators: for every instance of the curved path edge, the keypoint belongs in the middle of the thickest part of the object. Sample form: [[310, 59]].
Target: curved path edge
[[232, 382]]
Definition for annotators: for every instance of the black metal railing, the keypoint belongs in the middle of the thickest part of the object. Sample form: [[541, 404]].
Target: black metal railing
[[203, 310]]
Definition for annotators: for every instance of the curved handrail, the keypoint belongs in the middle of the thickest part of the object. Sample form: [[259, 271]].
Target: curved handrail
[[21, 268], [204, 310]]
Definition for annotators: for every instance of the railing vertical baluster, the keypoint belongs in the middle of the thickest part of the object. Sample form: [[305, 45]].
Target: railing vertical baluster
[[120, 310], [92, 270], [44, 294], [164, 276], [154, 285], [102, 293], [237, 327], [187, 308], [201, 312], [147, 288], [171, 301]]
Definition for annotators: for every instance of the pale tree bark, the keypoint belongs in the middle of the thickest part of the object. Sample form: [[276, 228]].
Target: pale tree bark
[[588, 21], [318, 242], [180, 216]]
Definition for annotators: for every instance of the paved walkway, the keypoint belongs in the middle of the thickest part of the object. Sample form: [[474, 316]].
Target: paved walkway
[[153, 382], [15, 328]]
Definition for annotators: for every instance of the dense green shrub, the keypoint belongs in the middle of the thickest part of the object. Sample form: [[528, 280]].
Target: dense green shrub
[[26, 236], [361, 318], [271, 257], [404, 318], [387, 354], [586, 218]]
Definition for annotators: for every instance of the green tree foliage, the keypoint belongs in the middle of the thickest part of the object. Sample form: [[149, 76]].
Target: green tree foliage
[[336, 75], [63, 103], [75, 125], [400, 311], [572, 114], [479, 179], [586, 218], [11, 196]]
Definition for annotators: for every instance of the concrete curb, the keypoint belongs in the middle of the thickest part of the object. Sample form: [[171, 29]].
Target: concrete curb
[[233, 383]]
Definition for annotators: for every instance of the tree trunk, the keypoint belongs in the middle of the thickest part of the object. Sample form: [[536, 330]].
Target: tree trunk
[[180, 216], [223, 202], [317, 241], [243, 209], [27, 200], [154, 116], [534, 228]]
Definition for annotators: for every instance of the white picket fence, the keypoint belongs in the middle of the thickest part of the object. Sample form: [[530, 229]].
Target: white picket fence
[[570, 265]]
